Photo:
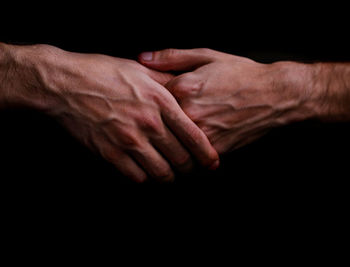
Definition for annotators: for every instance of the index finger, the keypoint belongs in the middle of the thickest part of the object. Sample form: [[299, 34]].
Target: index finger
[[189, 134]]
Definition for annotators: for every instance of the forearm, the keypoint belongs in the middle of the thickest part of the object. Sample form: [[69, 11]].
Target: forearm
[[5, 66], [321, 90], [334, 82], [21, 79]]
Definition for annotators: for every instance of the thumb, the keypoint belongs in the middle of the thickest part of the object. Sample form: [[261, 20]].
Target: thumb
[[176, 59], [160, 77]]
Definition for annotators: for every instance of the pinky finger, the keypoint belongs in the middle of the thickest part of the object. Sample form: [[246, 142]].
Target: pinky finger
[[124, 163]]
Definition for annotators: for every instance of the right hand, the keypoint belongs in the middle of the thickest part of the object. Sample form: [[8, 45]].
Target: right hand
[[115, 106], [233, 99]]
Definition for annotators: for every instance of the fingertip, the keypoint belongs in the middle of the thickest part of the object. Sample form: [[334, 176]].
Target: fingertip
[[139, 178], [146, 56], [215, 165], [213, 159], [137, 175]]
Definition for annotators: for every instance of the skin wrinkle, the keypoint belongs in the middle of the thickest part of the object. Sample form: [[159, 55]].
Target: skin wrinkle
[[114, 141]]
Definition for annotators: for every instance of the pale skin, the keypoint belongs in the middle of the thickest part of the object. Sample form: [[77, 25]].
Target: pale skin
[[235, 100], [115, 106]]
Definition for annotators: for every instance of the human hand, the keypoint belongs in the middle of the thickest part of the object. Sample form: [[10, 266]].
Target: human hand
[[235, 100], [114, 106]]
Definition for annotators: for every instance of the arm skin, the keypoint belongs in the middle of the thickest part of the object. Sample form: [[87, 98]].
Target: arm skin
[[115, 106], [235, 100]]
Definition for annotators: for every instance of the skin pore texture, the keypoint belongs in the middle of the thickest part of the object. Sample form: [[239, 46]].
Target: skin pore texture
[[235, 100], [115, 106]]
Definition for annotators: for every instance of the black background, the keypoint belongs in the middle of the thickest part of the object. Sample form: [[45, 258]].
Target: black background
[[285, 196], [308, 159]]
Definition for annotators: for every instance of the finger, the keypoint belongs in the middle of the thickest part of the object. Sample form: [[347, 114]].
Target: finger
[[160, 77], [153, 163], [128, 167], [123, 162], [190, 134], [176, 59], [173, 151], [185, 85]]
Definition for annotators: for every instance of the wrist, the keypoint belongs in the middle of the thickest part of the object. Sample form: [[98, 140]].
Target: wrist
[[300, 91]]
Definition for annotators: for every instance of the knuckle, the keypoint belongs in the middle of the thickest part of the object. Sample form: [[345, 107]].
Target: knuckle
[[151, 123], [187, 85], [179, 88], [180, 84], [107, 152], [204, 50], [159, 97], [197, 86], [134, 64], [129, 139], [168, 53]]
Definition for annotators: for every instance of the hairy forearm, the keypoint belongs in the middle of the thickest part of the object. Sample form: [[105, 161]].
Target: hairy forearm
[[334, 81], [322, 90], [21, 77], [5, 66]]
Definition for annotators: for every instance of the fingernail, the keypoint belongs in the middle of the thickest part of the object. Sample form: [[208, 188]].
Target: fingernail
[[215, 165], [147, 56]]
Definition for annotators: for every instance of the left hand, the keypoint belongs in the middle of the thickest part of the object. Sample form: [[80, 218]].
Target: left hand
[[235, 100]]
